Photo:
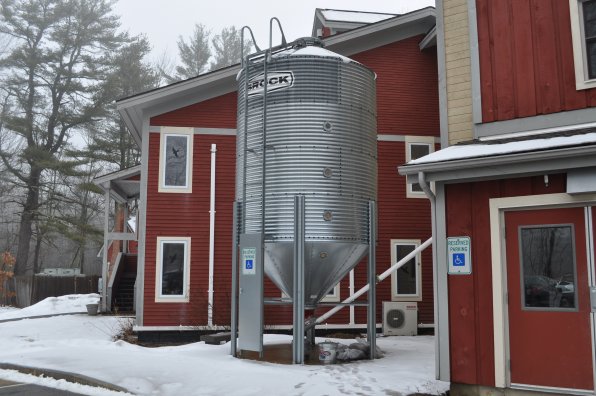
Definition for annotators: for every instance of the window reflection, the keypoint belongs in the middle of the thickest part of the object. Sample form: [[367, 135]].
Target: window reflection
[[172, 283], [548, 267], [406, 275], [175, 167]]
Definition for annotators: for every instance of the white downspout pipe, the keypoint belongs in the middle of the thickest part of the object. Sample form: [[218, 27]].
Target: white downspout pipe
[[211, 237], [381, 277], [433, 213]]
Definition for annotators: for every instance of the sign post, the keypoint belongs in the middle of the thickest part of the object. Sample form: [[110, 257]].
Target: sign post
[[250, 313]]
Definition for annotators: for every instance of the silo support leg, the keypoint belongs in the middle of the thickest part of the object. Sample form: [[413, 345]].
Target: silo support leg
[[372, 279], [298, 286], [234, 307]]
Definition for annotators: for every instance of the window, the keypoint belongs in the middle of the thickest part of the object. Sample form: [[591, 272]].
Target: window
[[406, 283], [583, 33], [548, 275], [173, 269], [417, 147], [175, 160], [333, 295]]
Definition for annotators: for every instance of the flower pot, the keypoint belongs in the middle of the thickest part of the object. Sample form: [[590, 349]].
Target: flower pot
[[92, 309]]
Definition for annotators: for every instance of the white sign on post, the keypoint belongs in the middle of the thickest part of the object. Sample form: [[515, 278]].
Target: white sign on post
[[248, 261], [459, 260]]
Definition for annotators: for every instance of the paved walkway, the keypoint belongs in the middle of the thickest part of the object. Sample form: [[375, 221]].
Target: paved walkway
[[12, 387], [15, 388]]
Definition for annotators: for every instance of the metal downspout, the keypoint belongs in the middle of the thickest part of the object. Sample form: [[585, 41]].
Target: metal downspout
[[433, 213], [211, 237]]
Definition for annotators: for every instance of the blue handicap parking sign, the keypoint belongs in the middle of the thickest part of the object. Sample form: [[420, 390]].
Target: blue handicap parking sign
[[459, 259], [248, 264]]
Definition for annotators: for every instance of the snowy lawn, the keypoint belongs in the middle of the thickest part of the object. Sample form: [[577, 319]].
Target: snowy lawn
[[83, 344]]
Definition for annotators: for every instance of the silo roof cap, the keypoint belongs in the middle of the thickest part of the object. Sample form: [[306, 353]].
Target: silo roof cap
[[311, 46], [318, 51]]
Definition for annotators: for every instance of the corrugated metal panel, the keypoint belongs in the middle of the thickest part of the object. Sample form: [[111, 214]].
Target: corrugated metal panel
[[325, 121], [526, 59]]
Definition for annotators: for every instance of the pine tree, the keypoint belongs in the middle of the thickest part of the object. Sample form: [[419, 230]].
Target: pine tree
[[194, 54], [109, 140], [227, 48], [54, 68]]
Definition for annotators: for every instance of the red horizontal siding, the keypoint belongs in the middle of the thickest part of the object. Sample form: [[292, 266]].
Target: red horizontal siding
[[470, 297], [407, 87], [219, 112], [188, 215], [526, 59]]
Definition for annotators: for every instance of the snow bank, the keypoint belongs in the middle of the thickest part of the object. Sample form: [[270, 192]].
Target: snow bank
[[53, 305]]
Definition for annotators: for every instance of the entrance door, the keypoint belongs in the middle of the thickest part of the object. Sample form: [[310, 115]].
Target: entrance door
[[550, 342]]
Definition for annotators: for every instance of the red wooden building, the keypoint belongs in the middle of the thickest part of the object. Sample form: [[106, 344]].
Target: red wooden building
[[195, 120], [514, 202]]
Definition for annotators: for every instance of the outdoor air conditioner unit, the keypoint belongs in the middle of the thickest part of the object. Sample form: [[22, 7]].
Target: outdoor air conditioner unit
[[400, 318]]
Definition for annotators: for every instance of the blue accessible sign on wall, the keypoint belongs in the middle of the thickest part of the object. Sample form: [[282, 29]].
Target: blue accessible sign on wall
[[248, 260], [458, 255]]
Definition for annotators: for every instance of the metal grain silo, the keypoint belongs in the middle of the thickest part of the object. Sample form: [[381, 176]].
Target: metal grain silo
[[320, 127]]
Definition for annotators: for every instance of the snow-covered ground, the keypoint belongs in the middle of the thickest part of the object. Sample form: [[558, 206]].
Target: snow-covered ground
[[83, 344]]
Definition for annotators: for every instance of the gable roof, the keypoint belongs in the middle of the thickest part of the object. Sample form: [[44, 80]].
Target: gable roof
[[138, 108], [342, 20], [123, 185]]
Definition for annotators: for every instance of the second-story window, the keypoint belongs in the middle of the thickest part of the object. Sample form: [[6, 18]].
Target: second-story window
[[583, 33], [175, 160], [589, 19], [417, 147]]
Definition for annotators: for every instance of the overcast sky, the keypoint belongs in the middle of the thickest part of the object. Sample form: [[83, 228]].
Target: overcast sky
[[164, 20]]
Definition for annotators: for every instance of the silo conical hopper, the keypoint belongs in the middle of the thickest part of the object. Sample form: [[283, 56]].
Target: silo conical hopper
[[321, 142]]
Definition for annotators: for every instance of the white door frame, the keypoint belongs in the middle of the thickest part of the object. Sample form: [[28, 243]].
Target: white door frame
[[498, 207]]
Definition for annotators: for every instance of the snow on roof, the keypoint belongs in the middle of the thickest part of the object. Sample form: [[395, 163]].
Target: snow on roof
[[476, 150], [318, 51], [355, 16]]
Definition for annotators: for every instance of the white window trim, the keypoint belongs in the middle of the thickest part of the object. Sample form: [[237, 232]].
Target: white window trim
[[334, 297], [582, 81], [175, 131], [428, 140], [406, 297], [158, 269]]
